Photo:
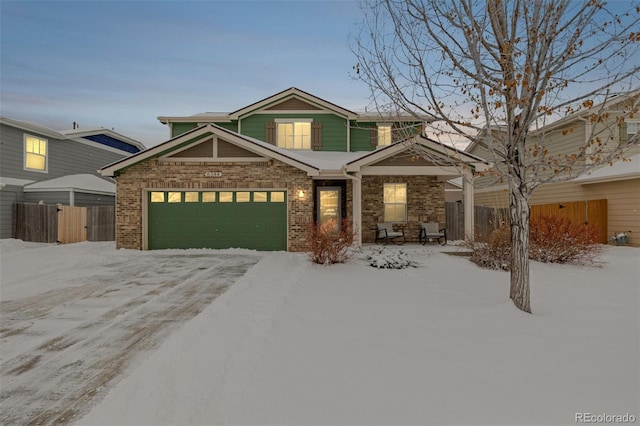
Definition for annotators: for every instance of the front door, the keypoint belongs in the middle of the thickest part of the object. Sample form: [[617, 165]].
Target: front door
[[329, 205]]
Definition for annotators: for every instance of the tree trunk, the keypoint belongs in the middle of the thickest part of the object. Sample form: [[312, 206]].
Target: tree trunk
[[519, 215]]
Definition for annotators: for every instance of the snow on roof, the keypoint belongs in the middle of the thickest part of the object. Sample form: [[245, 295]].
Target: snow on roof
[[81, 183], [622, 169], [4, 181]]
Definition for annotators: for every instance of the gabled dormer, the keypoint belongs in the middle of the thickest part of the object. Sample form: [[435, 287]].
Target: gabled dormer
[[296, 120]]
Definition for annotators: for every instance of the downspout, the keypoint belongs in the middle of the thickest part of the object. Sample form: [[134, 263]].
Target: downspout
[[357, 204], [348, 135]]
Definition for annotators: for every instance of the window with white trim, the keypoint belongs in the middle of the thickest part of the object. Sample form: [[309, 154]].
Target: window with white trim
[[293, 133], [395, 202], [384, 134], [633, 128], [35, 153]]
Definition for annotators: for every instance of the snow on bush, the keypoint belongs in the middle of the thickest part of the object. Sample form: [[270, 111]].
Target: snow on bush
[[390, 259]]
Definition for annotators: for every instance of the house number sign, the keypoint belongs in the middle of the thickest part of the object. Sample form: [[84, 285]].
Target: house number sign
[[213, 174]]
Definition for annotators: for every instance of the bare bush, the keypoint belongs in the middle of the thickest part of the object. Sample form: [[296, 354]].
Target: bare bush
[[558, 240], [328, 245]]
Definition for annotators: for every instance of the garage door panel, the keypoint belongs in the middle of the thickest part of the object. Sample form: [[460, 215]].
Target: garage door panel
[[219, 224]]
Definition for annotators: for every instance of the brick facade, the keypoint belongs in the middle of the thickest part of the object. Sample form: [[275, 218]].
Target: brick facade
[[425, 195], [155, 174], [425, 202]]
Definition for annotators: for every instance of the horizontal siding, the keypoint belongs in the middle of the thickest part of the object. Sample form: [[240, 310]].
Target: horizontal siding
[[57, 197], [361, 136], [65, 157]]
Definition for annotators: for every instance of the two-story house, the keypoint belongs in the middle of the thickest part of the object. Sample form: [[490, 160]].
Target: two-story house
[[584, 131], [257, 177], [42, 165]]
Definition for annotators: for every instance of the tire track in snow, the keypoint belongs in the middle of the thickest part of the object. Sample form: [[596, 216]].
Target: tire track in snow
[[56, 381]]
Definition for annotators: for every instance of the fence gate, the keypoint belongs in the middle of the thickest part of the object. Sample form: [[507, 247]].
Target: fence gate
[[72, 224], [592, 212]]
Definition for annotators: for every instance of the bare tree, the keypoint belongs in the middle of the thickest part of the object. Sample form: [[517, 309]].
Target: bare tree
[[494, 71]]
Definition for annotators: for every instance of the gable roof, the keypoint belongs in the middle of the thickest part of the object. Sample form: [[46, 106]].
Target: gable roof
[[576, 116], [314, 163], [284, 96]]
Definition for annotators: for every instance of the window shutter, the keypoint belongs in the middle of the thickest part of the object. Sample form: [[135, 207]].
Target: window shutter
[[623, 134], [316, 136], [270, 133], [373, 137]]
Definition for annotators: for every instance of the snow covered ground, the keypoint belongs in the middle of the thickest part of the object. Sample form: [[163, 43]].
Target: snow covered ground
[[295, 343]]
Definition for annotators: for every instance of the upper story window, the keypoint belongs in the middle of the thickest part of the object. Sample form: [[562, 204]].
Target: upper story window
[[294, 133], [633, 128], [384, 134], [395, 202], [35, 153]]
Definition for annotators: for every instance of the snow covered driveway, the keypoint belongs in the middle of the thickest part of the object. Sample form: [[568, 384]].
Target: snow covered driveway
[[68, 328]]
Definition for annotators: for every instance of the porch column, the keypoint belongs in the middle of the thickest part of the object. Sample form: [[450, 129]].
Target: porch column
[[467, 201], [357, 208]]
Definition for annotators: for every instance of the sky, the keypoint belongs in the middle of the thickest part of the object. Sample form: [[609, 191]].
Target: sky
[[121, 64]]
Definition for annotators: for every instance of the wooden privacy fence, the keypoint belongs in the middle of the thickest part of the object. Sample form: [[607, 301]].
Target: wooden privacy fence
[[63, 224], [488, 219], [592, 213]]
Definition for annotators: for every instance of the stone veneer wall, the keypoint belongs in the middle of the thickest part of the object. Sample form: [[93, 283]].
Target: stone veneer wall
[[155, 174], [425, 201]]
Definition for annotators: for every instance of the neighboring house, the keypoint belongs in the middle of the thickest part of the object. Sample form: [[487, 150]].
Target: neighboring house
[[618, 184], [41, 165], [258, 177]]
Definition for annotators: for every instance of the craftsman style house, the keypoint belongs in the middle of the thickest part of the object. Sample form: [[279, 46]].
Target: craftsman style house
[[259, 176], [42, 165]]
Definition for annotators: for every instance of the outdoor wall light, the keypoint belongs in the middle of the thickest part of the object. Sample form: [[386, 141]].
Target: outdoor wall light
[[301, 194]]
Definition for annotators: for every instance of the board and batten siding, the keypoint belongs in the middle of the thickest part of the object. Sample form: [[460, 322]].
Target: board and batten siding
[[334, 128]]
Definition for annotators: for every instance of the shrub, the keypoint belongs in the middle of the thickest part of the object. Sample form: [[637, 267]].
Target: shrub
[[558, 240], [492, 251], [551, 240], [327, 245], [390, 259]]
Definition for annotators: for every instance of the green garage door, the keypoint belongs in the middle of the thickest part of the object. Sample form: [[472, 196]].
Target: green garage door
[[217, 219]]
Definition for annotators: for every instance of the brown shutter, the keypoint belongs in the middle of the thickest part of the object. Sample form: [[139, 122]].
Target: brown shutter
[[373, 137], [270, 133], [316, 136]]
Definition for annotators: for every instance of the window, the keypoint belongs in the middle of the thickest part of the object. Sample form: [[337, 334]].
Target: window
[[395, 202], [208, 197], [633, 128], [384, 134], [293, 134], [259, 197], [35, 153], [277, 197], [174, 197], [190, 197], [157, 197], [243, 197], [226, 197]]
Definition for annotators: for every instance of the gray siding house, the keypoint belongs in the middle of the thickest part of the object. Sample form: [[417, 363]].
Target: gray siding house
[[41, 165]]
